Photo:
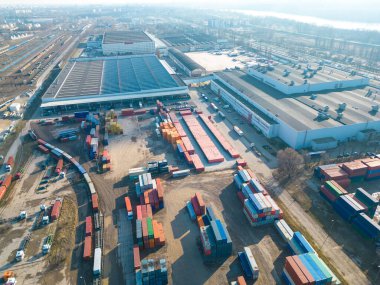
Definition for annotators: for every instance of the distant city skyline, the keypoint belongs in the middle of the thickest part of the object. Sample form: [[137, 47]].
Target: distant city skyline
[[349, 10]]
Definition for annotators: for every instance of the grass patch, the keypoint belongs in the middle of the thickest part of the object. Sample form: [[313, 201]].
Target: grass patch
[[64, 238]]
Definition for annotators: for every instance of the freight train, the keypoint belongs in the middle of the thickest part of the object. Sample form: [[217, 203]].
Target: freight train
[[97, 215]]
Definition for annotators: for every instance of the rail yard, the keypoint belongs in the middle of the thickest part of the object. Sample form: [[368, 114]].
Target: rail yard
[[139, 149]]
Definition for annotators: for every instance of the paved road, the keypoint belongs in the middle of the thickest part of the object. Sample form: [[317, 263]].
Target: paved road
[[342, 262]]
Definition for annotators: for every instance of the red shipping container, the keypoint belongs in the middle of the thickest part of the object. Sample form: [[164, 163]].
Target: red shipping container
[[39, 141], [128, 205], [302, 267], [138, 212], [87, 252], [140, 112], [327, 194], [59, 166], [88, 226], [195, 204], [241, 162], [294, 272], [144, 228], [199, 167], [143, 211], [88, 140], [55, 210], [188, 158], [188, 145], [201, 204], [136, 257], [42, 149], [95, 202], [241, 196]]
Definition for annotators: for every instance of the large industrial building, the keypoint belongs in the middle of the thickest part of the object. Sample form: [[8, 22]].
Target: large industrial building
[[101, 81], [190, 41], [319, 120], [189, 66], [127, 42], [293, 79]]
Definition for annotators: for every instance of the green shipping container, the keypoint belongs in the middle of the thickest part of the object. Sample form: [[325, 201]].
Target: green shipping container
[[321, 266], [150, 228], [332, 189]]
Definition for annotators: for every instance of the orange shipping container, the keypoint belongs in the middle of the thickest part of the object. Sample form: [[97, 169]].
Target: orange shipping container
[[128, 204], [2, 192], [7, 181], [200, 221], [151, 243], [87, 252], [149, 212]]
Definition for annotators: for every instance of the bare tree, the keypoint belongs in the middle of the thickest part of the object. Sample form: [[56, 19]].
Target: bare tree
[[290, 162]]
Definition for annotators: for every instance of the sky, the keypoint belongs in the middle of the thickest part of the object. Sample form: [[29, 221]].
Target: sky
[[343, 10]]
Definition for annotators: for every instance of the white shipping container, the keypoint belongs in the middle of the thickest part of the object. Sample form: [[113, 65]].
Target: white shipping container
[[238, 130], [97, 269], [252, 262]]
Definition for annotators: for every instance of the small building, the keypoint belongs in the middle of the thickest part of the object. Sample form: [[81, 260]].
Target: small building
[[189, 66], [127, 42]]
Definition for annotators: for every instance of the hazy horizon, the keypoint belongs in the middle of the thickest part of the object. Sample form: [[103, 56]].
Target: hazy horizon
[[340, 10]]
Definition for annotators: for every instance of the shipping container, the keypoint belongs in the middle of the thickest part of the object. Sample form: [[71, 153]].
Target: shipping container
[[55, 210], [88, 226], [97, 268], [87, 251]]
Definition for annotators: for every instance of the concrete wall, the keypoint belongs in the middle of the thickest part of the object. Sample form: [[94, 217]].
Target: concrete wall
[[316, 87]]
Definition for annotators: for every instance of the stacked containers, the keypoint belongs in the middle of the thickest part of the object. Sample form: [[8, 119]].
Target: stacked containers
[[316, 269], [248, 263], [284, 230], [334, 172], [331, 191], [299, 245], [368, 200], [199, 167], [356, 170], [190, 209], [136, 257], [152, 272], [366, 226], [373, 168], [204, 141], [224, 143], [347, 207], [296, 273]]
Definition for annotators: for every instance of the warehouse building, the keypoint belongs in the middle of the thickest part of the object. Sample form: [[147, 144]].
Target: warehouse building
[[190, 41], [316, 120], [127, 42], [189, 66], [294, 79], [90, 83]]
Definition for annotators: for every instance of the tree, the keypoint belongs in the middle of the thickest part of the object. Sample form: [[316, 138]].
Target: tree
[[290, 162]]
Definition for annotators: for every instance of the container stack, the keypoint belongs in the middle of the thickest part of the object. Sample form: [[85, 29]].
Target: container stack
[[368, 200], [152, 272], [134, 173], [106, 161], [348, 208], [149, 232], [248, 263], [198, 204], [196, 161], [335, 173], [307, 269], [93, 149], [373, 169], [367, 227], [59, 166], [331, 191], [224, 143], [216, 241], [127, 112], [299, 245], [204, 141], [150, 191], [356, 170]]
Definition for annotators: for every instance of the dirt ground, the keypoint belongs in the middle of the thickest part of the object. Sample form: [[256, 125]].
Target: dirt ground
[[184, 257], [25, 196]]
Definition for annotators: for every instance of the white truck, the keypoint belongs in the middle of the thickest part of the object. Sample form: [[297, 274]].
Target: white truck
[[238, 131]]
